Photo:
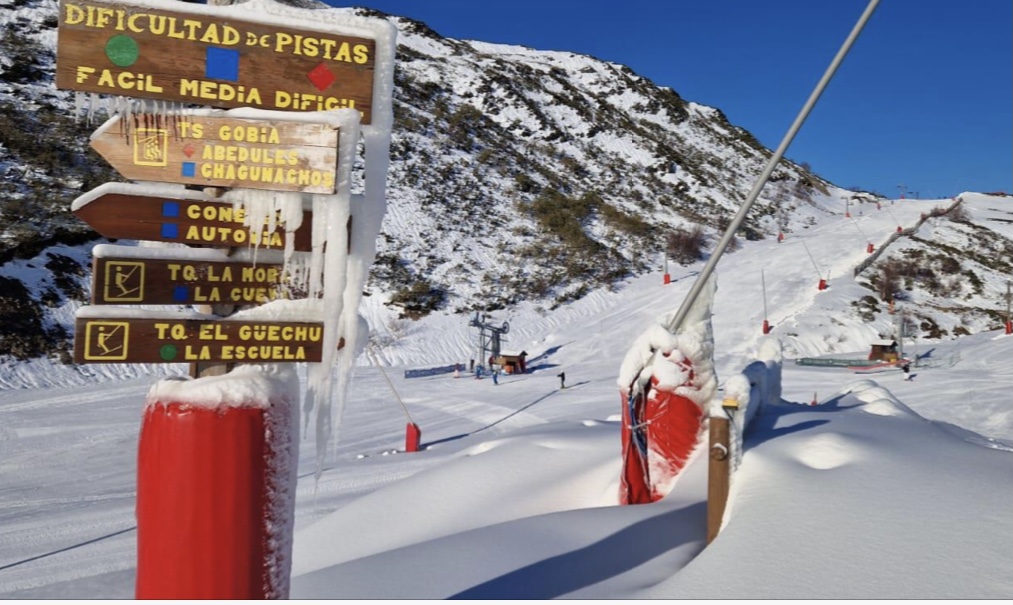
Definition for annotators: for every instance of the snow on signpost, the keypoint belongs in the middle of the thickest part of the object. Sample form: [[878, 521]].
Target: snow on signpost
[[177, 215], [215, 149], [206, 55]]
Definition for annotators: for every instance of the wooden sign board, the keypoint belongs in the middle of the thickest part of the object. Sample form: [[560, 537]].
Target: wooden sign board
[[221, 152], [206, 56], [135, 340], [144, 216], [143, 281]]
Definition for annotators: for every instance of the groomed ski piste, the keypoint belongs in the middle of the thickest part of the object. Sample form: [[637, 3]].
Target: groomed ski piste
[[884, 489]]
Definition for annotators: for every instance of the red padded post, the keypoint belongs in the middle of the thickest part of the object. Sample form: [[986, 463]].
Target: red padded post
[[671, 436], [205, 481], [413, 437]]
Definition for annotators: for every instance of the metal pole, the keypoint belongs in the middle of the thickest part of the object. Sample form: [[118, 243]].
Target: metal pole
[[763, 284], [815, 266], [740, 216], [900, 335], [860, 231], [391, 385]]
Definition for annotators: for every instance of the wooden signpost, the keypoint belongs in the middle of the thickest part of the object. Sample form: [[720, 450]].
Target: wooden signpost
[[145, 281], [205, 55], [154, 340], [221, 152], [208, 57], [121, 211]]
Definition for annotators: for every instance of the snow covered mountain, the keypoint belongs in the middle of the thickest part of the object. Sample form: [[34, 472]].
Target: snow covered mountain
[[516, 175]]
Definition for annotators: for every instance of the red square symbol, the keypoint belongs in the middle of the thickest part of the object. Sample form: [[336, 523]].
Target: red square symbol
[[188, 150], [321, 77]]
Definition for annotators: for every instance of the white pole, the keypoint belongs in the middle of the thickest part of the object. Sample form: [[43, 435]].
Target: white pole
[[676, 322]]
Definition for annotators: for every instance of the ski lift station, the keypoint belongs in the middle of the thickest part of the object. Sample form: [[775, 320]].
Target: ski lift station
[[884, 350]]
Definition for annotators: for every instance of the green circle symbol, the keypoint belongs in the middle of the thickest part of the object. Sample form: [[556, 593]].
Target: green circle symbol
[[122, 50], [168, 352]]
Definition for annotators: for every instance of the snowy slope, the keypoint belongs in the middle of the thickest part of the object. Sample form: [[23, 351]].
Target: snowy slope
[[513, 494]]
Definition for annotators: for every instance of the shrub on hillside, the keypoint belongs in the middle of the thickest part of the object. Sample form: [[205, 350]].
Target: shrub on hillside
[[959, 214], [686, 246], [419, 299]]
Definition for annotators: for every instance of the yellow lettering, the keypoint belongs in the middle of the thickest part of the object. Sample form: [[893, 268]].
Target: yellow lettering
[[344, 53], [83, 73], [74, 15], [360, 52], [132, 23], [203, 354], [160, 330], [230, 35], [189, 87], [282, 41], [211, 35], [104, 15]]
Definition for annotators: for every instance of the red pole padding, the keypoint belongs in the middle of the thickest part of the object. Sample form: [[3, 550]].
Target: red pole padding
[[671, 427], [1009, 327], [766, 327], [413, 437], [205, 483]]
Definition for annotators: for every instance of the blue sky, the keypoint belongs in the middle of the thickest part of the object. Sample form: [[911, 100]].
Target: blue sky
[[924, 99]]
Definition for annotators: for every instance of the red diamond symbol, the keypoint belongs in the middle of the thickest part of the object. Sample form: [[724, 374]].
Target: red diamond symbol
[[189, 150], [321, 77]]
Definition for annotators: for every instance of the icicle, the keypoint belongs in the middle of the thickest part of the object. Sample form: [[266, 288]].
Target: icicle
[[93, 102], [319, 243], [78, 104], [334, 210], [266, 211]]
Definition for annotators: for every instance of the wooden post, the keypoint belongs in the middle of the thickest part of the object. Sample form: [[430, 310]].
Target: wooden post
[[718, 475]]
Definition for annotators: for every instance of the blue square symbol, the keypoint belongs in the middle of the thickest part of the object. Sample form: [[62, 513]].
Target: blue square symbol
[[179, 293], [170, 230], [221, 64], [189, 169], [170, 209]]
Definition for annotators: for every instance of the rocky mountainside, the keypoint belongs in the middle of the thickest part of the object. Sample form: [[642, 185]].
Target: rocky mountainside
[[516, 174]]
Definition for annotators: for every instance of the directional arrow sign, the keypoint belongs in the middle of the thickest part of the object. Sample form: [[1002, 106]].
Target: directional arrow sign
[[207, 56], [221, 152], [125, 211], [148, 340], [129, 280]]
